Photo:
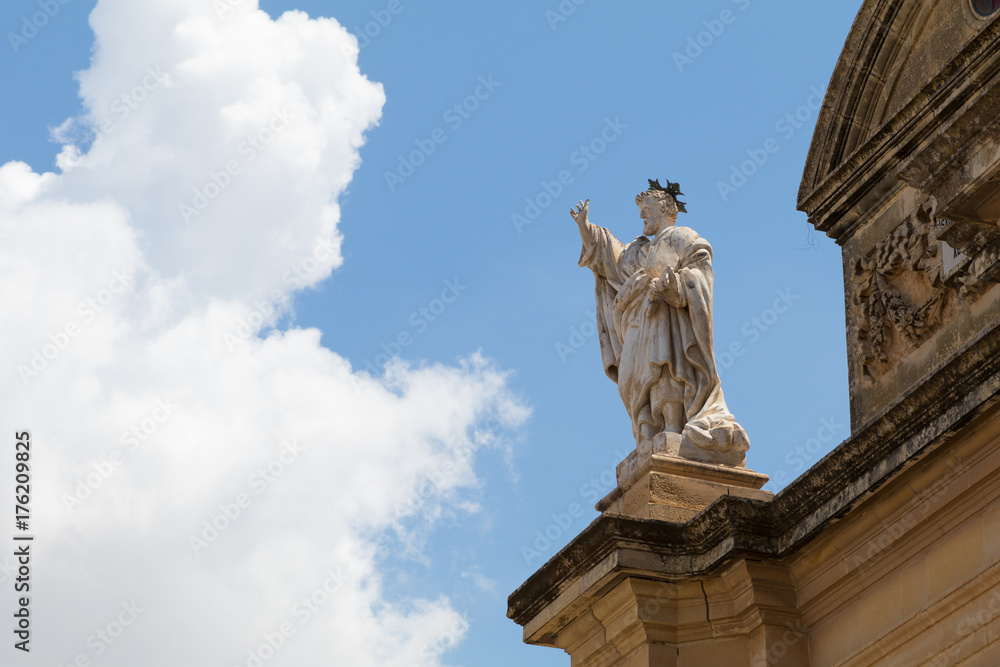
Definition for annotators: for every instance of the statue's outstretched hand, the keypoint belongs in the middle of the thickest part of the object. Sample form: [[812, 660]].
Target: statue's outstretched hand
[[581, 213]]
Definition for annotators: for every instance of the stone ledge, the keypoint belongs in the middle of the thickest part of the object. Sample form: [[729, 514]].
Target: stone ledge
[[966, 387], [656, 485]]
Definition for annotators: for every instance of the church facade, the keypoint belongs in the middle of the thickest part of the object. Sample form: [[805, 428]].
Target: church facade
[[886, 552]]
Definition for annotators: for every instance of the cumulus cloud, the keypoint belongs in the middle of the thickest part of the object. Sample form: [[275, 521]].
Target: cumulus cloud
[[205, 493]]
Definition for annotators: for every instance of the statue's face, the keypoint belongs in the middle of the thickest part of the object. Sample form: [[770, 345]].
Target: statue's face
[[653, 216]]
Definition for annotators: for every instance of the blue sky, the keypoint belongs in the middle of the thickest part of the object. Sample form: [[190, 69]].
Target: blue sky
[[457, 238]]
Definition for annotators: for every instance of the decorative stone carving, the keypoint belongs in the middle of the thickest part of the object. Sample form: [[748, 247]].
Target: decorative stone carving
[[654, 319], [904, 286]]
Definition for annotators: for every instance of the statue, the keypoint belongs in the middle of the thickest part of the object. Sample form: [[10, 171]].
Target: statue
[[654, 320]]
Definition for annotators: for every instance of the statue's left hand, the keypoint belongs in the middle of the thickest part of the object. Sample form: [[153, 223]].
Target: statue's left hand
[[664, 288]]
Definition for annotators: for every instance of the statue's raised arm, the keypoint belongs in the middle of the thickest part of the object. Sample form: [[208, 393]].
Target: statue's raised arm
[[654, 319], [601, 249]]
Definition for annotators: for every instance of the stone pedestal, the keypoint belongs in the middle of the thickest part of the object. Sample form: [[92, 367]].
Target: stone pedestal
[[655, 484]]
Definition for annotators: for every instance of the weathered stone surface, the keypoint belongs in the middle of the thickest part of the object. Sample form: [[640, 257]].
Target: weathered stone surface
[[875, 114], [654, 483], [930, 420], [886, 552], [902, 173], [916, 482], [926, 272], [654, 322]]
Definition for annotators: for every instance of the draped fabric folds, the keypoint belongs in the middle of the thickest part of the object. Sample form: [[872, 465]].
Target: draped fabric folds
[[657, 352]]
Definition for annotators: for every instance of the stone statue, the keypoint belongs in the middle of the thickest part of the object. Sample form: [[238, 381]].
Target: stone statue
[[654, 319]]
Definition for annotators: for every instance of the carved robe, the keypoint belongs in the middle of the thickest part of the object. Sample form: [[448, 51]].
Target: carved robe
[[659, 353]]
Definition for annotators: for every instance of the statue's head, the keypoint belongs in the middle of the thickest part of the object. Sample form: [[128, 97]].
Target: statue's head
[[658, 206]]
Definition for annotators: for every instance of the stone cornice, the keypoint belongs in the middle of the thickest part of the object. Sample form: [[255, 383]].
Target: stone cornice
[[834, 200], [963, 389], [866, 37]]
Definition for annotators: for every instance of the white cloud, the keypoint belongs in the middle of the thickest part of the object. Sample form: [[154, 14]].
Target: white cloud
[[159, 417]]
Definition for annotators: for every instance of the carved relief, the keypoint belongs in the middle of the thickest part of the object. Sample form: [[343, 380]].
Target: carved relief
[[904, 288]]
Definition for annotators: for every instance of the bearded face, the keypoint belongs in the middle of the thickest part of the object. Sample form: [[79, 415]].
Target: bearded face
[[656, 214]]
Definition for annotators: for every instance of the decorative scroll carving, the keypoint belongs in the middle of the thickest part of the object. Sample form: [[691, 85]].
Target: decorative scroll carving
[[902, 288]]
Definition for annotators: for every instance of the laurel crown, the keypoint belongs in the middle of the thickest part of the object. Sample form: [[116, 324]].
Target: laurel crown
[[672, 189]]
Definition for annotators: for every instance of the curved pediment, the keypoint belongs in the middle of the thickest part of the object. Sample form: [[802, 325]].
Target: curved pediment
[[892, 47]]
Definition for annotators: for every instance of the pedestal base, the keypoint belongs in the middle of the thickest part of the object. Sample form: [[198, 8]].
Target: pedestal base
[[654, 483]]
